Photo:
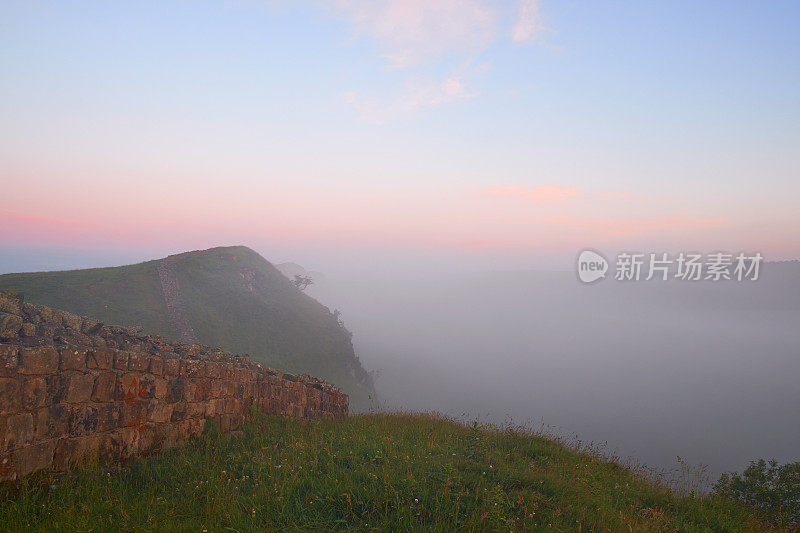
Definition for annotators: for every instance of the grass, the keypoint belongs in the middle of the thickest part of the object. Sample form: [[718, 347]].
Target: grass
[[384, 471], [128, 295], [234, 298]]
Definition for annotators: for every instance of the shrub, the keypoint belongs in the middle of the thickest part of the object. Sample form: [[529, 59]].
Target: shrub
[[768, 486]]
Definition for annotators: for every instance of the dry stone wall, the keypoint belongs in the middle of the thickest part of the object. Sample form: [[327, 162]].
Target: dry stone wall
[[73, 389]]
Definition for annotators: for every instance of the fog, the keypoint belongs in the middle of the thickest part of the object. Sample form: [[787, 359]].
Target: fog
[[706, 371]]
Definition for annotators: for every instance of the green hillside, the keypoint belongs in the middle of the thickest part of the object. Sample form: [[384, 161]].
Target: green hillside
[[232, 297], [368, 472]]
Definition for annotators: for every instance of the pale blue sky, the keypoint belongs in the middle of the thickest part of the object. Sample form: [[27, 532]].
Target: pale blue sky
[[691, 107]]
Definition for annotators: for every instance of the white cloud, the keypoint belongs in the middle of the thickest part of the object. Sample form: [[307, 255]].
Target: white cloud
[[410, 32], [414, 98], [415, 35], [529, 25]]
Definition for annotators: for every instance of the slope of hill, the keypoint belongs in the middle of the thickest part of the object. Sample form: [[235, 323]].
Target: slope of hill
[[228, 297], [369, 472]]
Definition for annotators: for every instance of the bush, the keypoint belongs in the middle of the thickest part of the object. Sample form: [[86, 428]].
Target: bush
[[768, 486]]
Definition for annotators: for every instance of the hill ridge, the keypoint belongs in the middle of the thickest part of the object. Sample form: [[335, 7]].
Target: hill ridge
[[230, 297]]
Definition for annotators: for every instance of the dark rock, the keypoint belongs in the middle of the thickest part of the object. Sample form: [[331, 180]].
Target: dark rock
[[91, 326], [10, 395], [11, 302], [10, 325]]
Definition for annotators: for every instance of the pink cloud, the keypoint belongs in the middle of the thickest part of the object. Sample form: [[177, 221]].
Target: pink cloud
[[627, 225], [554, 192], [529, 26], [621, 195], [36, 228], [410, 32], [548, 193], [414, 98]]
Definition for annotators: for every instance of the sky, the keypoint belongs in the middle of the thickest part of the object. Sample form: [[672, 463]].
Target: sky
[[353, 134]]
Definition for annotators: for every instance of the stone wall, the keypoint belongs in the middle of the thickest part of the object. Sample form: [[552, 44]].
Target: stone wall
[[73, 389]]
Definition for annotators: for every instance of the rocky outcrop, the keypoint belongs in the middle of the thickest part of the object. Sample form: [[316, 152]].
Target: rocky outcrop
[[73, 389]]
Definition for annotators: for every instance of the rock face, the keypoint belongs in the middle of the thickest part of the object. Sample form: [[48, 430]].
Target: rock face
[[73, 389]]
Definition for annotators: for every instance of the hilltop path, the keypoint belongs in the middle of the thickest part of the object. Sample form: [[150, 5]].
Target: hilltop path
[[172, 298]]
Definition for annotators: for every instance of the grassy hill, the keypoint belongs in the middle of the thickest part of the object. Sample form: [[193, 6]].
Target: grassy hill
[[232, 297], [384, 472]]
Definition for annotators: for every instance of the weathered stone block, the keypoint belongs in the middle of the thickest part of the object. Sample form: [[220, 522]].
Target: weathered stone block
[[46, 330], [15, 431], [11, 302], [108, 417], [196, 425], [76, 451], [172, 367], [177, 432], [146, 388], [99, 342], [52, 422], [151, 437], [38, 360], [70, 320], [194, 369], [133, 414], [79, 387], [56, 388], [224, 422], [189, 391], [76, 338], [178, 411], [9, 360], [213, 370], [128, 387], [33, 457], [159, 411], [160, 389], [73, 358], [138, 361], [315, 396], [174, 390], [105, 386], [203, 390], [100, 358], [90, 326], [7, 466], [195, 409], [245, 390], [34, 393], [9, 325], [156, 366], [123, 442], [10, 395], [211, 408], [121, 360], [83, 421], [49, 316]]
